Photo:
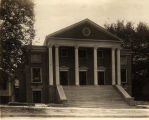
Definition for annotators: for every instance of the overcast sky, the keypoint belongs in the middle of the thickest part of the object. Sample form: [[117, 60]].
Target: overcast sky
[[52, 15]]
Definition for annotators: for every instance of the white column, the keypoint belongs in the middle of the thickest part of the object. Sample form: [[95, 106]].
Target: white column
[[57, 65], [76, 66], [113, 66], [95, 67], [118, 67], [50, 66]]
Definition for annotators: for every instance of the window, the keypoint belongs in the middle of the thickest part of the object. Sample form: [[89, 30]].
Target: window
[[123, 60], [36, 75], [82, 53], [35, 58], [124, 75], [37, 96], [16, 83], [100, 54], [64, 52]]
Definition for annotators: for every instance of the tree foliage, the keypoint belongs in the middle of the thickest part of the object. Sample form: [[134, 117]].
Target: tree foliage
[[136, 39], [17, 31]]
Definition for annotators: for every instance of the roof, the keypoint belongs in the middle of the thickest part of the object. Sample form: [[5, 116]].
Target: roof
[[85, 29]]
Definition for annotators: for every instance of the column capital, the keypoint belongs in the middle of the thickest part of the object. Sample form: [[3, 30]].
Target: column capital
[[50, 46], [118, 48], [76, 46], [95, 47], [113, 48], [57, 46]]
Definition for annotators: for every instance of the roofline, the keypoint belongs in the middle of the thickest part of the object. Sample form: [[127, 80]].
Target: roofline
[[68, 27], [59, 38], [85, 20]]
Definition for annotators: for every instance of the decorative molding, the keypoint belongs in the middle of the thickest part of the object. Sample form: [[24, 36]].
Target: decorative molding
[[86, 31], [64, 68]]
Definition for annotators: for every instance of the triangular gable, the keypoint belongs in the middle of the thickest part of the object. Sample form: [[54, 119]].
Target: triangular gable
[[85, 29]]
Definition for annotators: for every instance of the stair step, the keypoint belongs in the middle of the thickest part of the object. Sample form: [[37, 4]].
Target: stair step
[[93, 96]]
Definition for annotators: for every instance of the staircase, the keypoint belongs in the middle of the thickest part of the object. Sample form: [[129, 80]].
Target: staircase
[[105, 96]]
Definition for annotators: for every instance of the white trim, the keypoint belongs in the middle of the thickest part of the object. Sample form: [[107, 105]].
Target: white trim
[[63, 68], [50, 66], [83, 70], [57, 65], [32, 74], [84, 21], [84, 43], [118, 67], [101, 68]]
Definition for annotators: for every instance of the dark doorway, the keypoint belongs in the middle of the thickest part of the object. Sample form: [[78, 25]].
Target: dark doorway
[[37, 96], [101, 78], [123, 75], [82, 78], [64, 78]]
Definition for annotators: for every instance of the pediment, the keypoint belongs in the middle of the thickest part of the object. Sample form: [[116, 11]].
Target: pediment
[[85, 29]]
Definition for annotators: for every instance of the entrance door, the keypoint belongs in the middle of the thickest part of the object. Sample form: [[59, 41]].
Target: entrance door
[[101, 78], [37, 96], [82, 77], [64, 78]]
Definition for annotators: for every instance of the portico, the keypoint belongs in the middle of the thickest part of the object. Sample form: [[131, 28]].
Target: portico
[[115, 66], [90, 36]]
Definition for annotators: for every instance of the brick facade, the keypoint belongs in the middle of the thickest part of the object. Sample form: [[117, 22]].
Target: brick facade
[[82, 54]]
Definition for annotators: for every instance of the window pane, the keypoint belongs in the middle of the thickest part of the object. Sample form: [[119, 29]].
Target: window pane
[[36, 75], [37, 96], [64, 52], [100, 54], [82, 53]]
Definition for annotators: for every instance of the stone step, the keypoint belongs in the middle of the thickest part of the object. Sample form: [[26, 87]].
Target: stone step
[[93, 96]]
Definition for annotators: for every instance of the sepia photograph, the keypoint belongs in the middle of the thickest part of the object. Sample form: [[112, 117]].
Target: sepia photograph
[[74, 59]]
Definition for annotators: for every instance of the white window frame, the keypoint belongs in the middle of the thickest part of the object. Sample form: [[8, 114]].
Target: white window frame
[[32, 74]]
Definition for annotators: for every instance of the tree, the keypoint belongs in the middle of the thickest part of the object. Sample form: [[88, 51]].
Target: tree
[[17, 31], [136, 39]]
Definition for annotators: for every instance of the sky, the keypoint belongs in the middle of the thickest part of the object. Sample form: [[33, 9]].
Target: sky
[[53, 15]]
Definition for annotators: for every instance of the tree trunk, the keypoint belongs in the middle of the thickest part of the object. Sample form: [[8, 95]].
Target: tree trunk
[[11, 90]]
